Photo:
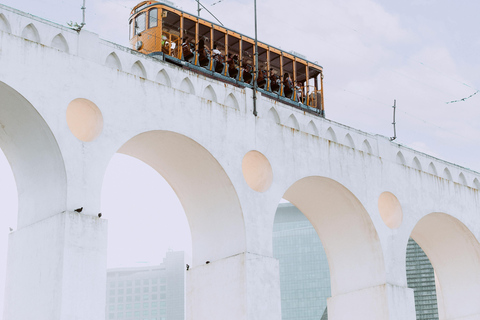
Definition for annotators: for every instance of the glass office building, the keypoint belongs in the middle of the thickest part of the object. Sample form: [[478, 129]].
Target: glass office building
[[148, 293], [304, 273], [421, 278]]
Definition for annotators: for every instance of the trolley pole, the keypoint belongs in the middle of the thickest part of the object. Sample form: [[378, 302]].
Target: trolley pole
[[198, 8], [394, 123], [256, 63]]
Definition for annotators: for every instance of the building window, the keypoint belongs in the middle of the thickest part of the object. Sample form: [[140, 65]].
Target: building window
[[146, 305], [120, 291], [154, 281], [129, 283], [129, 290], [128, 306], [137, 306], [146, 282], [152, 18], [138, 298], [129, 298], [128, 314], [154, 297], [162, 288], [146, 312], [111, 300], [111, 307], [112, 292], [138, 282], [146, 289], [120, 307], [111, 316], [138, 290], [120, 299], [120, 315], [162, 296], [154, 289], [120, 283], [145, 297]]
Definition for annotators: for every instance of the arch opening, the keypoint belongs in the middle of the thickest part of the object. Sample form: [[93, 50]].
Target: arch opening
[[351, 243], [206, 201], [454, 253], [346, 231], [203, 188]]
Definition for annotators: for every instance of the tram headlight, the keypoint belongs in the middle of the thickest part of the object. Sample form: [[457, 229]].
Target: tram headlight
[[139, 45]]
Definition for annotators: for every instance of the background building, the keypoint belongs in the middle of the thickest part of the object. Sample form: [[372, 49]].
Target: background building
[[148, 293], [421, 278], [304, 273]]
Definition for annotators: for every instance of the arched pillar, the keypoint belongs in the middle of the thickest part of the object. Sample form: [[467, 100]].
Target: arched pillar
[[359, 284], [217, 279], [455, 256], [53, 254]]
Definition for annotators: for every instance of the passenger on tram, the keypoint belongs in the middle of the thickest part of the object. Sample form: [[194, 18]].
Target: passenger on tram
[[274, 81], [215, 50], [299, 89], [187, 50], [232, 61], [247, 71], [288, 85], [203, 54]]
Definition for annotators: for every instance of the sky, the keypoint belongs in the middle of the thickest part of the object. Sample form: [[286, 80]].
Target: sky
[[421, 53]]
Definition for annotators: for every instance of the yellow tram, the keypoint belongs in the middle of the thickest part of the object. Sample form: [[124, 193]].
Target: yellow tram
[[166, 32]]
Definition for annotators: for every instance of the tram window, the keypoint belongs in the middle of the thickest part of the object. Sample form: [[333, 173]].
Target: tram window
[[130, 29], [152, 18], [140, 23]]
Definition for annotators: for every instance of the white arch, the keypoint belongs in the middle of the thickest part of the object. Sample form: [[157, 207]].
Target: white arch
[[139, 70], [455, 255], [312, 128], [331, 135], [202, 186], [30, 145], [30, 32], [462, 180], [232, 102], [432, 169], [113, 61], [292, 122], [210, 94], [187, 86], [60, 43], [447, 175], [273, 115], [476, 183], [400, 158], [366, 147], [4, 24], [348, 141], [333, 210], [416, 164], [163, 78]]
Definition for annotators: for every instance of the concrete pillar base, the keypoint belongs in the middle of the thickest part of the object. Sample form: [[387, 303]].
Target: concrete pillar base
[[375, 303], [240, 287], [56, 269]]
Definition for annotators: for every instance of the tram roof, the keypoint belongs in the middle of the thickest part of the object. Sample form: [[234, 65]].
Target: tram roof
[[141, 6]]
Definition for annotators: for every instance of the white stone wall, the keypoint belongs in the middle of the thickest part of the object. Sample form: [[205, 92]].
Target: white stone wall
[[196, 132]]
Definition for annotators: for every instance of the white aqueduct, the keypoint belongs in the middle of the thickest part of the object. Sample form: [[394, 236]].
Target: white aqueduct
[[69, 101]]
